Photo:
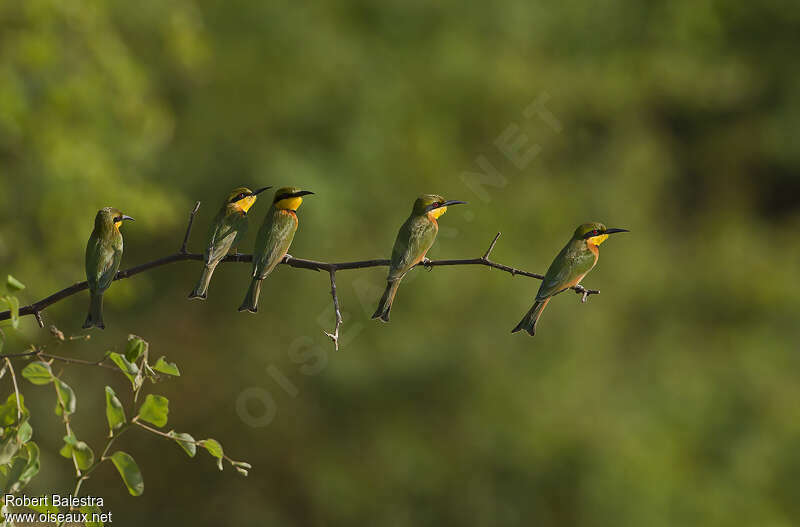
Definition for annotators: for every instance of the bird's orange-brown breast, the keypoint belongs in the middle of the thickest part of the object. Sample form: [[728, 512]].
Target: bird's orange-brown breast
[[291, 213]]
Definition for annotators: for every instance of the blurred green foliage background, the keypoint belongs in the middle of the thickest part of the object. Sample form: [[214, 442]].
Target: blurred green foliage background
[[669, 399]]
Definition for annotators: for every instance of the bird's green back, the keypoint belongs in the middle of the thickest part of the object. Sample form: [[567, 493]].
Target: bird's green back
[[274, 239], [414, 239], [574, 261]]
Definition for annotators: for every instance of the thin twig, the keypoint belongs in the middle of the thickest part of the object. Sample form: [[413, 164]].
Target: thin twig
[[491, 247], [157, 432], [335, 335], [40, 354], [16, 388], [69, 360], [103, 457], [189, 228]]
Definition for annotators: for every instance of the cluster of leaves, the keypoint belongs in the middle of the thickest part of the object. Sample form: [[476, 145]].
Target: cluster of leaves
[[19, 456]]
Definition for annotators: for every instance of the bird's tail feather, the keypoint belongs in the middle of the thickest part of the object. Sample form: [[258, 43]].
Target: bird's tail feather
[[529, 321], [250, 302], [95, 316], [201, 289], [385, 305]]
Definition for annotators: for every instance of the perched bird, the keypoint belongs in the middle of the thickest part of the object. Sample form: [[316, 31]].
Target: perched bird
[[273, 240], [103, 256], [574, 262], [227, 230], [415, 238]]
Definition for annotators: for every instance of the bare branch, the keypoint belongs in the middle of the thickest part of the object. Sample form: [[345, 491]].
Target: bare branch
[[491, 247], [16, 388], [189, 228], [298, 263], [337, 312]]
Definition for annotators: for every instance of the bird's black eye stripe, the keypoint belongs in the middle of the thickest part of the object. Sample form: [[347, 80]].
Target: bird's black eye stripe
[[118, 219], [282, 196]]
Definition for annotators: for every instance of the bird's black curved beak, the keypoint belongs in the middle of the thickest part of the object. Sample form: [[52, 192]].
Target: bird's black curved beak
[[453, 202], [259, 191], [124, 217], [612, 231], [301, 193]]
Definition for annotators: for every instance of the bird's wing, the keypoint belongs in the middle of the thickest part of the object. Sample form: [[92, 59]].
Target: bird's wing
[[102, 264], [274, 239], [565, 271], [414, 239], [222, 235]]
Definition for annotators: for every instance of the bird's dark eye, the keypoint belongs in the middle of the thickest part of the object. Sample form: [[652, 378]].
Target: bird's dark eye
[[595, 232], [118, 219]]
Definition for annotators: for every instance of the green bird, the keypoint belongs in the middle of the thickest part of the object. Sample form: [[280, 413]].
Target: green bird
[[273, 240], [103, 256], [415, 238], [574, 262], [227, 230]]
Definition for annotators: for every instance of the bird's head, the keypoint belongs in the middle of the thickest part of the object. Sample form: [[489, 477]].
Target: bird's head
[[110, 217], [594, 233], [242, 198], [289, 198], [433, 205]]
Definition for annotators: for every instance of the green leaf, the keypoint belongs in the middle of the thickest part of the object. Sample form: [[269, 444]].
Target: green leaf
[[32, 467], [13, 284], [215, 449], [84, 455], [38, 373], [90, 511], [8, 410], [185, 441], [23, 468], [67, 401], [169, 368], [9, 446], [136, 346], [24, 432], [13, 305], [129, 369], [129, 471], [154, 410], [115, 413]]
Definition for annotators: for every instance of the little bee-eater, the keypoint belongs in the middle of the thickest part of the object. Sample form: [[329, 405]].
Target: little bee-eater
[[415, 238], [574, 262], [103, 256], [227, 230], [273, 240]]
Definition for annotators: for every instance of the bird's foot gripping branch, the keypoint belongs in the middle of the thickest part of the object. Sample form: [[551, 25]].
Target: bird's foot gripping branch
[[35, 309], [19, 454]]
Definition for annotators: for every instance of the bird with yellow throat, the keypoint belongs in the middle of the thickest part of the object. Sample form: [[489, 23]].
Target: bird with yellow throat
[[571, 265], [415, 238], [103, 256], [227, 230], [273, 241]]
